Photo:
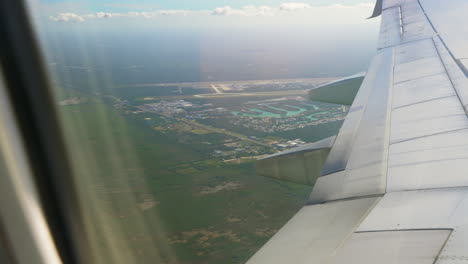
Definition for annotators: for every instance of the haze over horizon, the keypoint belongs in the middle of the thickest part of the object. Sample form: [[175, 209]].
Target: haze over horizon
[[177, 41]]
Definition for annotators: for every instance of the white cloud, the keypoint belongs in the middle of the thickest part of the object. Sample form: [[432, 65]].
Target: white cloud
[[370, 5], [245, 11], [259, 11], [133, 6], [140, 14], [360, 5], [250, 11], [103, 15], [72, 17], [223, 11], [292, 6], [174, 12], [67, 17]]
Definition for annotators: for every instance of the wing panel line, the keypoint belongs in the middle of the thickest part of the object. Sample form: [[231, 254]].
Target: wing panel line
[[435, 30], [445, 67]]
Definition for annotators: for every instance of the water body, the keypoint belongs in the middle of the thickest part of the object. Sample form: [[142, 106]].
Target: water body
[[261, 113], [314, 106], [290, 113], [313, 117]]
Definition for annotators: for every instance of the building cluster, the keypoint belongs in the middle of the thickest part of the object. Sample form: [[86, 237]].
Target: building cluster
[[291, 144], [236, 149], [270, 125], [266, 124], [168, 107], [182, 108]]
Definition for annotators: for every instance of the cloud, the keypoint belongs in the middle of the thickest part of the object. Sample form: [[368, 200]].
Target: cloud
[[67, 17], [260, 10], [245, 11], [223, 11], [174, 12], [72, 17], [103, 15], [248, 11], [132, 6], [292, 6], [360, 5], [140, 14], [369, 5]]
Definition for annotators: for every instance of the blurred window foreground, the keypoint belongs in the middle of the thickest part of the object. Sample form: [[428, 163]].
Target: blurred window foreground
[[130, 131]]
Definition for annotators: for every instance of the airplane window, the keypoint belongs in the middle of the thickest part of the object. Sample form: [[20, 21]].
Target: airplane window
[[166, 106]]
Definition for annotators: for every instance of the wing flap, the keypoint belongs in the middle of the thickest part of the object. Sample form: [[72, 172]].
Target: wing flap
[[338, 92], [299, 165], [436, 209], [389, 247], [314, 233], [357, 167]]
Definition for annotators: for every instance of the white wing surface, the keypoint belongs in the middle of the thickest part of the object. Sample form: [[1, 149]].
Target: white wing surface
[[394, 187]]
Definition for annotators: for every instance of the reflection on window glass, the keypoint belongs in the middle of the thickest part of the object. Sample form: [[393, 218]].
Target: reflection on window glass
[[166, 105]]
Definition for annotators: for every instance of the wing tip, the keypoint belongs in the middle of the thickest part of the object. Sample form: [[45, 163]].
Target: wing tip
[[377, 9]]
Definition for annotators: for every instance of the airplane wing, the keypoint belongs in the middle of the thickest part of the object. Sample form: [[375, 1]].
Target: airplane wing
[[393, 187]]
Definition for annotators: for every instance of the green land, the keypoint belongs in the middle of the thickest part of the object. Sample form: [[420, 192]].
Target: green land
[[162, 183], [163, 196]]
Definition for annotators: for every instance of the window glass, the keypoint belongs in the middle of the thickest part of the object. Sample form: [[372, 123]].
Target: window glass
[[166, 105]]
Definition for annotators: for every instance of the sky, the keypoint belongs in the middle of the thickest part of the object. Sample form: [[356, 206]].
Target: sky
[[215, 39], [147, 5], [309, 11]]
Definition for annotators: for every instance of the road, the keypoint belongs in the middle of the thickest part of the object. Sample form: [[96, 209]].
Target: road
[[221, 130], [216, 89]]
